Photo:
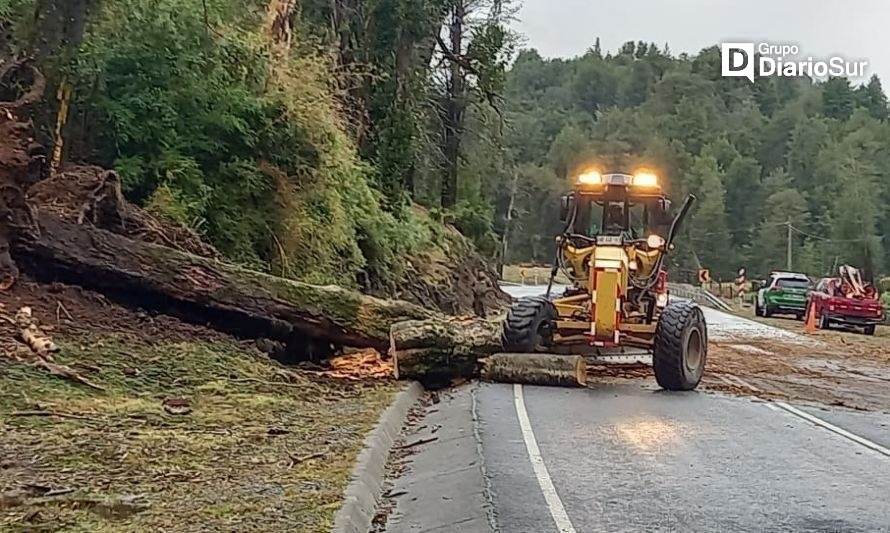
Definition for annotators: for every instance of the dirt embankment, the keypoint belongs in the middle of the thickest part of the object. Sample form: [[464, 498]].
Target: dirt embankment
[[450, 276]]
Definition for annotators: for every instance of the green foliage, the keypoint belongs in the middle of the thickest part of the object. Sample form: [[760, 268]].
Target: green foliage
[[838, 98], [709, 234], [490, 48], [757, 156], [207, 127]]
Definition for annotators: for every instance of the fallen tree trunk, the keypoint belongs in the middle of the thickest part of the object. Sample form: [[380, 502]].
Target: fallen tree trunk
[[441, 349], [232, 299], [425, 346], [536, 369]]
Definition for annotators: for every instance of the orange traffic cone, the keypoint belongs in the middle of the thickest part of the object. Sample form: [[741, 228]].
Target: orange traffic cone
[[811, 319]]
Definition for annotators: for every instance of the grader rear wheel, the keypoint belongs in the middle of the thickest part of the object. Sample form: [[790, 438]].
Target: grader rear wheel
[[681, 347], [529, 325]]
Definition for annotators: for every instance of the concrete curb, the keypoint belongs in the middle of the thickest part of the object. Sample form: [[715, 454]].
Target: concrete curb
[[369, 472]]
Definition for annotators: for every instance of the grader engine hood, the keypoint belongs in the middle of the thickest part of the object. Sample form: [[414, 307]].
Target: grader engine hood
[[608, 285]]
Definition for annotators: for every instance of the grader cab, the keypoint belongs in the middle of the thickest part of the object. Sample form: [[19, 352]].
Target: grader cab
[[619, 228]]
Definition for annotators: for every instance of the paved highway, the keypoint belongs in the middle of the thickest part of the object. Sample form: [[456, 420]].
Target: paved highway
[[625, 457]]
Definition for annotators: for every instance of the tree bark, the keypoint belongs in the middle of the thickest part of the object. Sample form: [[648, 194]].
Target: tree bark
[[232, 299], [536, 369], [441, 350], [508, 223], [59, 27], [455, 107], [279, 27]]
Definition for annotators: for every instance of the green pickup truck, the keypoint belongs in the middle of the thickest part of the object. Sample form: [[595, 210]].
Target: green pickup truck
[[784, 293]]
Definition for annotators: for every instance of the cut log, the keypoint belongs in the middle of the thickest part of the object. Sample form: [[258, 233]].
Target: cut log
[[232, 299], [536, 369], [442, 349]]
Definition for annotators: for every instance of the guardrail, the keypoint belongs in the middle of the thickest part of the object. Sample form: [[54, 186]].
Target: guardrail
[[698, 295]]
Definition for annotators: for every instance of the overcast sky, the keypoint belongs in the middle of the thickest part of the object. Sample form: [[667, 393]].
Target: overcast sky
[[855, 29]]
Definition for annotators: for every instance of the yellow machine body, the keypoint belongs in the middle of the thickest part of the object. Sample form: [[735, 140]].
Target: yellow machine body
[[601, 311]]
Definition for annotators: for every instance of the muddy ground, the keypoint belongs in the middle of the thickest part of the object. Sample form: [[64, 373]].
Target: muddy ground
[[830, 367], [774, 358], [180, 429]]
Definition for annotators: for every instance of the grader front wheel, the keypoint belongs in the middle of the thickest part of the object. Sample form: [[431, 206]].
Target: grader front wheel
[[529, 325], [681, 347]]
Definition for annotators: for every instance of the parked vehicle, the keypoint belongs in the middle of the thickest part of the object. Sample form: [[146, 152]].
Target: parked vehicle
[[833, 307], [784, 293]]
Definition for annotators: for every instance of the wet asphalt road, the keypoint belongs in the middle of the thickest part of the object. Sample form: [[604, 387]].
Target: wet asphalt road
[[627, 457]]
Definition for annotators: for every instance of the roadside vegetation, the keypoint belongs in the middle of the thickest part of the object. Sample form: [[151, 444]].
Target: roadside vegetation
[[179, 429]]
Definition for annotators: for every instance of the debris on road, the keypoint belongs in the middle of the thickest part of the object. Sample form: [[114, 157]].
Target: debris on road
[[829, 367]]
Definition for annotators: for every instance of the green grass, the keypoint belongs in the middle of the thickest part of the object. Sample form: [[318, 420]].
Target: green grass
[[216, 468]]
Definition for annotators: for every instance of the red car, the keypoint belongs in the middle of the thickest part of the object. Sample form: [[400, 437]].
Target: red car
[[832, 307]]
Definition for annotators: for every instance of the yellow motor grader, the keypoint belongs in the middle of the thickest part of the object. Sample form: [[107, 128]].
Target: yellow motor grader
[[619, 228]]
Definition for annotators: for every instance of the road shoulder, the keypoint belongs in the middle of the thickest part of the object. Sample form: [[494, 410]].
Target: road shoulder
[[436, 480]]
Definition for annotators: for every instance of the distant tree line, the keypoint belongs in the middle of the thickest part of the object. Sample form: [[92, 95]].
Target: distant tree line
[[762, 158]]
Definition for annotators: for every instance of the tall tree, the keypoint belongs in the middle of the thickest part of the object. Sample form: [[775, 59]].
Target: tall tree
[[57, 32], [477, 49], [456, 99], [708, 232], [871, 96], [743, 198], [784, 206], [838, 98], [854, 215]]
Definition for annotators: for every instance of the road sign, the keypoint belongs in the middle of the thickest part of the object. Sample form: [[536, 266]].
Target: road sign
[[704, 275]]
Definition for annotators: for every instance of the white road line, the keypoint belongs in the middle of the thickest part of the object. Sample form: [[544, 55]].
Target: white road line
[[557, 510], [862, 441], [815, 420]]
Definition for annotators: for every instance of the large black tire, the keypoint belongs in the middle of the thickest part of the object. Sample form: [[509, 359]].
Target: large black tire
[[757, 310], [681, 347], [529, 325], [824, 323], [869, 330]]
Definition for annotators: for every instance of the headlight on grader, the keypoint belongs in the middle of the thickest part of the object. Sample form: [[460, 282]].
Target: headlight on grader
[[591, 177], [655, 241], [645, 179]]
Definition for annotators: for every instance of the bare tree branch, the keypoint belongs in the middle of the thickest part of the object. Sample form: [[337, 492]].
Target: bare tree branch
[[456, 58]]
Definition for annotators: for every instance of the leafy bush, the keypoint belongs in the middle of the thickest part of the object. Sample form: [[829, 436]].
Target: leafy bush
[[206, 127]]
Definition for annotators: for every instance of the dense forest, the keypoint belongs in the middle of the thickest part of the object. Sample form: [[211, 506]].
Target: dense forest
[[767, 159], [328, 141]]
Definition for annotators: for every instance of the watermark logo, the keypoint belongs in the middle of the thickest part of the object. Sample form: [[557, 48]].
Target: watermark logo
[[750, 60]]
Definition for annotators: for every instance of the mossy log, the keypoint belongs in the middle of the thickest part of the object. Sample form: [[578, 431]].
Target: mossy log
[[230, 298], [536, 369], [438, 349]]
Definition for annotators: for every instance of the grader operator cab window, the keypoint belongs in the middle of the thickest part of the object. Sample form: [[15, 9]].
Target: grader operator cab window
[[616, 219], [566, 208]]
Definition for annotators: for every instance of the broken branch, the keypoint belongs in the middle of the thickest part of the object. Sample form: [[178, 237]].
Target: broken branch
[[418, 442], [68, 373]]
